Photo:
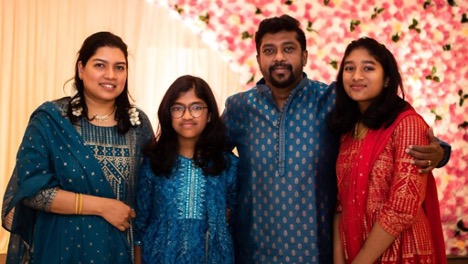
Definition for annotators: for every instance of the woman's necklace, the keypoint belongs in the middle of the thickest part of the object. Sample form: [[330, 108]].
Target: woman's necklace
[[103, 118], [358, 134]]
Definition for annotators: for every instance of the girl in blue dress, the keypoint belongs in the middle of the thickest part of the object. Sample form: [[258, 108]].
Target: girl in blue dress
[[187, 190]]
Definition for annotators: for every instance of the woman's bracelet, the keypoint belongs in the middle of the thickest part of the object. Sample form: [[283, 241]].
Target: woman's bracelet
[[78, 203]]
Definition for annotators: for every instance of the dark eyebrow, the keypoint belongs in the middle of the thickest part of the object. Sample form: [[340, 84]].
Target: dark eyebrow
[[104, 61], [363, 62], [369, 62], [287, 43], [193, 103]]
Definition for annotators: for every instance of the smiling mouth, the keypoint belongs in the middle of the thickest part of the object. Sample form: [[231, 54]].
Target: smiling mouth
[[357, 86], [108, 86], [187, 124], [281, 69]]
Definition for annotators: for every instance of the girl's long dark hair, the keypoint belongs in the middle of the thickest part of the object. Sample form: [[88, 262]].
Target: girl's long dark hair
[[122, 102], [209, 149], [384, 108]]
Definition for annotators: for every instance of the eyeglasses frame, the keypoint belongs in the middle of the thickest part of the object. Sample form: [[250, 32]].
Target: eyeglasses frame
[[185, 109]]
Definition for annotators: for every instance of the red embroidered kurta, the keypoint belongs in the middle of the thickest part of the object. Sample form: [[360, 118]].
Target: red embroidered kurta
[[395, 193]]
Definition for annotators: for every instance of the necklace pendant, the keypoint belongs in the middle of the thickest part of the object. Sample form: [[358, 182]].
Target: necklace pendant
[[357, 134], [101, 119]]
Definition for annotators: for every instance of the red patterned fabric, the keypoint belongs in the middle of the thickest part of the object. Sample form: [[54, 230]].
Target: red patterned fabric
[[377, 182]]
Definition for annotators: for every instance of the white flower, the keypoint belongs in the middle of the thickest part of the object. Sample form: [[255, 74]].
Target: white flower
[[134, 119], [77, 111]]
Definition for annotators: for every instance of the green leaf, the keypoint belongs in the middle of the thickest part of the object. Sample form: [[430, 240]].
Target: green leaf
[[376, 12], [464, 18], [205, 18], [451, 2], [309, 27], [179, 10], [288, 2], [434, 70], [437, 79], [414, 26], [258, 11], [246, 35], [396, 37], [463, 125], [354, 24], [447, 47], [334, 64], [437, 117], [251, 79], [427, 4], [326, 2]]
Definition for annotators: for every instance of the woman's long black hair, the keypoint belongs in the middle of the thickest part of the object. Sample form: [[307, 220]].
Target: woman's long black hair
[[384, 108], [209, 149]]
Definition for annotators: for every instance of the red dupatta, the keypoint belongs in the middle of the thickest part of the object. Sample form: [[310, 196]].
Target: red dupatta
[[373, 145]]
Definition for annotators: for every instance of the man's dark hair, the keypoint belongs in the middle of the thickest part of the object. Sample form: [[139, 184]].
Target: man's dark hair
[[276, 24]]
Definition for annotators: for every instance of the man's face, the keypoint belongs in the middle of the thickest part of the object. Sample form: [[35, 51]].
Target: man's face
[[281, 60]]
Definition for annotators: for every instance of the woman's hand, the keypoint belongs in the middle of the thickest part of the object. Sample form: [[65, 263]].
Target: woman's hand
[[116, 213], [113, 211]]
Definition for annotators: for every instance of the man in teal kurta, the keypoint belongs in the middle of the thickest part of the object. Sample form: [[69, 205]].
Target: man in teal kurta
[[284, 154]]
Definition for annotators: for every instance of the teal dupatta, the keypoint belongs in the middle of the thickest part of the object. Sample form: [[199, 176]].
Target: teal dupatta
[[53, 154]]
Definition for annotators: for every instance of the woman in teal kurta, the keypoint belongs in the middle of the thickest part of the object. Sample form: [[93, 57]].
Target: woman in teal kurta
[[71, 194]]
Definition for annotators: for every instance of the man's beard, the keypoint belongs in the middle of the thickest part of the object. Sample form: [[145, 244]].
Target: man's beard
[[283, 83]]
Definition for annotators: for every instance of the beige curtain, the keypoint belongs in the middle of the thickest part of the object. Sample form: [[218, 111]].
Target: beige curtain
[[38, 44]]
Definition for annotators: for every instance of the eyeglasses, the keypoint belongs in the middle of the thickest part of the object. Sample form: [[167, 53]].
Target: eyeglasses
[[195, 110]]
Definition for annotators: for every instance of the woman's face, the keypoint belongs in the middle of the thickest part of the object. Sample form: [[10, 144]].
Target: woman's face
[[363, 77], [104, 75], [188, 127]]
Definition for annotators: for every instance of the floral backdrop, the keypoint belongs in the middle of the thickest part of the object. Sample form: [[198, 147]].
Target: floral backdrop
[[428, 37]]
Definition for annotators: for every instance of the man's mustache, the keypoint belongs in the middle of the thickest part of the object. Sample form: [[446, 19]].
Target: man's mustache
[[280, 65]]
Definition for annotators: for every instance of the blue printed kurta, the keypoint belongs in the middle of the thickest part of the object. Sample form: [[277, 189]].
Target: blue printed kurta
[[182, 218], [286, 174]]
